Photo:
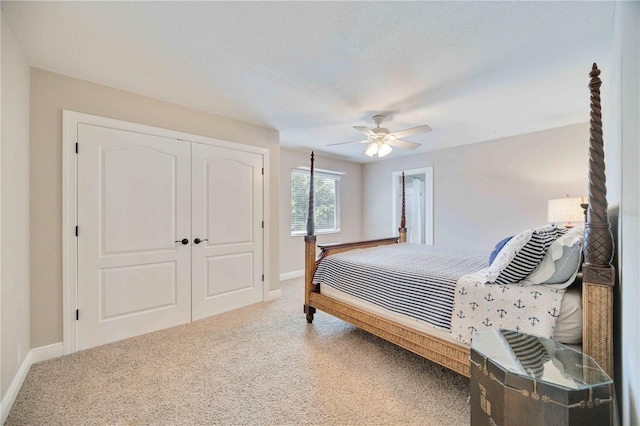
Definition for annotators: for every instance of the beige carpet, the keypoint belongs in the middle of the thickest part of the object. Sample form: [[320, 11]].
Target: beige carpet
[[258, 365]]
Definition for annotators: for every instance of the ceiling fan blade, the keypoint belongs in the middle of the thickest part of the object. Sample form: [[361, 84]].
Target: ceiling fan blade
[[403, 144], [364, 129], [412, 131], [346, 143]]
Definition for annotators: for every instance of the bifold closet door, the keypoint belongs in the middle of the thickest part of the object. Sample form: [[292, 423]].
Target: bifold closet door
[[134, 208], [227, 218]]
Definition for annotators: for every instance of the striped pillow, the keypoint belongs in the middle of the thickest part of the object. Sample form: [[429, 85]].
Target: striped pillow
[[517, 260]]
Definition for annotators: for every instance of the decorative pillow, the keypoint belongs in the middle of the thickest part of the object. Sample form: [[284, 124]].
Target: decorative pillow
[[507, 253], [497, 249], [567, 266], [561, 263], [524, 258]]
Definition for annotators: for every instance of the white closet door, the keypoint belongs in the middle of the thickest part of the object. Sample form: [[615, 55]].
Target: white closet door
[[134, 202], [227, 215]]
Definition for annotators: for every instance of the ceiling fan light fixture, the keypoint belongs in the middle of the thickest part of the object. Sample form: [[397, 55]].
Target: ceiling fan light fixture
[[372, 149], [383, 150], [380, 141]]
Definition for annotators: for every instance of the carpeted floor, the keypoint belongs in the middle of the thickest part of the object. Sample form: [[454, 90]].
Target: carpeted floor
[[262, 364]]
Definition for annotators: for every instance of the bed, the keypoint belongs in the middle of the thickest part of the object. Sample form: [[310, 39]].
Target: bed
[[335, 279]]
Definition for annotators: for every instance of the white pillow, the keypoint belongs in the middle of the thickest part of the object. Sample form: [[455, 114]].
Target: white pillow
[[560, 265], [569, 324]]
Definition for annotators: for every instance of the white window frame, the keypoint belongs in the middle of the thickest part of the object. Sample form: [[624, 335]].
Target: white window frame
[[328, 174]]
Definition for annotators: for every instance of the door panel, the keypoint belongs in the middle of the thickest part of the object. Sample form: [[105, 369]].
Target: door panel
[[227, 211], [230, 273], [134, 202], [136, 289], [124, 173], [230, 198]]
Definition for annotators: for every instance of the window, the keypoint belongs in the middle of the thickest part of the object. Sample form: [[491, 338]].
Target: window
[[326, 199]]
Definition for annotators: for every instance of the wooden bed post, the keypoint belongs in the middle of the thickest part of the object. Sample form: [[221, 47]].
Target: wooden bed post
[[309, 252], [598, 274], [402, 231]]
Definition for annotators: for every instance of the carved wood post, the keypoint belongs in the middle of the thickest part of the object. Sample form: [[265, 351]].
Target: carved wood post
[[598, 274], [309, 251], [403, 221], [598, 247]]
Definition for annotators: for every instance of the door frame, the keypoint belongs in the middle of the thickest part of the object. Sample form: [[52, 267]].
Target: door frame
[[428, 201], [70, 122]]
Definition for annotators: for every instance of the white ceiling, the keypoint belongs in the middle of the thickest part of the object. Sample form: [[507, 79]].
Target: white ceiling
[[473, 71]]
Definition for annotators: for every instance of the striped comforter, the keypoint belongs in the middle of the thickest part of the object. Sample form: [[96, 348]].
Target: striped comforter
[[410, 279]]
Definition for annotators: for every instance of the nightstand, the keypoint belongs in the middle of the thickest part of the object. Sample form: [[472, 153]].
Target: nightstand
[[519, 380]]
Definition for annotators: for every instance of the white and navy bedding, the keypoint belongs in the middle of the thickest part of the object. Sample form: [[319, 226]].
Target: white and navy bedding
[[454, 290], [410, 279], [479, 305]]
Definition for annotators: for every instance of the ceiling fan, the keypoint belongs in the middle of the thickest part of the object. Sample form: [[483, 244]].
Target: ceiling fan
[[381, 140]]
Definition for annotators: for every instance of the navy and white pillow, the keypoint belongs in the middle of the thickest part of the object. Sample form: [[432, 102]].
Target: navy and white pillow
[[522, 254], [562, 262]]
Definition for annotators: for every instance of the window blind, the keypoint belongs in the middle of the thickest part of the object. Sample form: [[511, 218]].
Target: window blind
[[326, 196]]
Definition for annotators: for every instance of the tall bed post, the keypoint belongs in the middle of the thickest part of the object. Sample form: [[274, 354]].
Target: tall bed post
[[402, 231], [598, 274], [309, 252]]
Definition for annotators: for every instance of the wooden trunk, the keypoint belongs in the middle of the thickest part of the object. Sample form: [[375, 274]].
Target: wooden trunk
[[500, 397]]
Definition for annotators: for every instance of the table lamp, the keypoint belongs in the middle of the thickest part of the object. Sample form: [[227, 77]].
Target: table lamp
[[567, 209]]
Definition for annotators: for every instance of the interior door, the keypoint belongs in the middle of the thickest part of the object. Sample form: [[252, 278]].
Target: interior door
[[418, 204], [134, 203], [227, 216]]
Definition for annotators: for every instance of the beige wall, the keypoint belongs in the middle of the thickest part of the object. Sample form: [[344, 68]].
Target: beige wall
[[292, 248], [621, 116], [50, 94], [15, 207], [486, 191]]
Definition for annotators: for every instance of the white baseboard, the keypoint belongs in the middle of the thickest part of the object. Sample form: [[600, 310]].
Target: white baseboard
[[34, 356], [273, 295], [290, 275], [44, 353], [14, 388]]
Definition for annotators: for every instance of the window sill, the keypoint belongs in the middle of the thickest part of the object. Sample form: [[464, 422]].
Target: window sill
[[302, 234]]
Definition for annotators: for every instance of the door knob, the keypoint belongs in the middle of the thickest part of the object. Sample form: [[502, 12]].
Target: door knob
[[183, 241], [198, 240]]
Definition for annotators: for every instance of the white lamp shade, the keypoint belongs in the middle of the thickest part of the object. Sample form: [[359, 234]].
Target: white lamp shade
[[566, 209]]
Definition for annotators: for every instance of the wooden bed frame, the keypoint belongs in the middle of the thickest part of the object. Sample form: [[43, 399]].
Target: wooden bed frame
[[597, 286]]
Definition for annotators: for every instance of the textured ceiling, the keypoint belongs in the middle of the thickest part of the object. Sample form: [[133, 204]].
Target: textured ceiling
[[473, 71]]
